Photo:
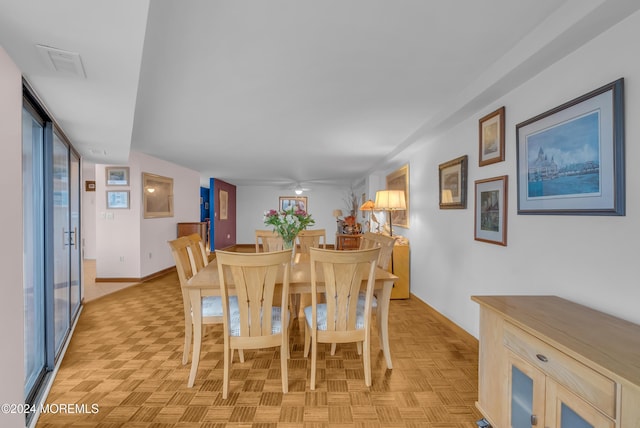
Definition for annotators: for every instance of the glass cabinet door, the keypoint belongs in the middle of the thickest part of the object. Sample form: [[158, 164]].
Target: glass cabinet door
[[527, 389], [567, 410]]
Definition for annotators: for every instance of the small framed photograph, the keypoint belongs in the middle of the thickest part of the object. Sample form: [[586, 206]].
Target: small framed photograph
[[571, 159], [492, 138], [117, 199], [453, 183], [117, 175], [90, 186], [491, 210], [299, 202]]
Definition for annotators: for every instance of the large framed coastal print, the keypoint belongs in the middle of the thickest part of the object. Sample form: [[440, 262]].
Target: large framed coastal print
[[570, 159]]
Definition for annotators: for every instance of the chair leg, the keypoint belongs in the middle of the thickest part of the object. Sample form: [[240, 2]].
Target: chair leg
[[366, 360], [295, 305], [307, 339], [314, 360], [195, 359], [240, 355], [359, 347], [284, 349], [227, 369], [188, 336], [333, 349]]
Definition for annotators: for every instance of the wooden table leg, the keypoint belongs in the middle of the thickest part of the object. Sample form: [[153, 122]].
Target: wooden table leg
[[382, 318]]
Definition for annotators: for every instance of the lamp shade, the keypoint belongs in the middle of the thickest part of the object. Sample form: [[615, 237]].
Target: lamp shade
[[368, 206], [447, 196], [337, 213], [390, 200]]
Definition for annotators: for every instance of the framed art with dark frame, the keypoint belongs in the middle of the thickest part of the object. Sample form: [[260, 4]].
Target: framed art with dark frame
[[491, 210], [399, 180], [571, 159], [453, 183], [491, 138], [299, 202]]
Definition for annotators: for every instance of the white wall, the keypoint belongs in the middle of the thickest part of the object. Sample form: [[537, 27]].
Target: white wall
[[155, 232], [88, 212], [253, 201], [12, 301], [130, 246], [588, 259]]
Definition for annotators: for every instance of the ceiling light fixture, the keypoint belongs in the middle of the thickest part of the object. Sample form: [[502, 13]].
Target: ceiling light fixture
[[298, 190]]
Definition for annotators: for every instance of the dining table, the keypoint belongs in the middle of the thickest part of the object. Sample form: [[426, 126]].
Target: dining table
[[207, 283]]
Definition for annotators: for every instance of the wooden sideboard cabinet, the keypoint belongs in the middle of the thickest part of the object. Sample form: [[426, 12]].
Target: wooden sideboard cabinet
[[401, 268], [200, 228], [347, 241], [548, 362]]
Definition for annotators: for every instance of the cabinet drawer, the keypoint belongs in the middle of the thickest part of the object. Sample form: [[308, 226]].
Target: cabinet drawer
[[580, 379]]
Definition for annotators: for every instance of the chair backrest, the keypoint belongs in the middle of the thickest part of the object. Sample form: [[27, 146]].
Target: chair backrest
[[182, 251], [377, 240], [254, 277], [270, 241], [312, 238], [199, 252], [342, 273]]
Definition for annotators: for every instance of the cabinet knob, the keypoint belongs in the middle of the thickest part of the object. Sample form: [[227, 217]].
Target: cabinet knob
[[542, 358]]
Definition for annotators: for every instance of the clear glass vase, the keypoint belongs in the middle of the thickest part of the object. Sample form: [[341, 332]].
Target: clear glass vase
[[290, 245]]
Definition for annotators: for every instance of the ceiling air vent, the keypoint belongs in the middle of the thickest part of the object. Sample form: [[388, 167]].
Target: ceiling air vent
[[64, 62]]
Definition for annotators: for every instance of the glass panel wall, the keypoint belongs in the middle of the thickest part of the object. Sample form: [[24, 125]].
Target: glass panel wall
[[75, 247], [33, 281], [52, 250], [61, 242]]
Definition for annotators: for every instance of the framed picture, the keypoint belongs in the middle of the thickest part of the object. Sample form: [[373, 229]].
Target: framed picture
[[90, 186], [299, 202], [399, 180], [453, 183], [224, 205], [117, 175], [157, 195], [571, 159], [117, 199], [491, 210], [491, 138]]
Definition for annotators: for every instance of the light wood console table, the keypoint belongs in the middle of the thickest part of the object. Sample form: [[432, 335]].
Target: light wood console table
[[549, 362]]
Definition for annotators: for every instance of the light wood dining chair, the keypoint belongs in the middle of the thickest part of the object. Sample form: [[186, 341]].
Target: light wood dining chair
[[183, 250], [341, 319], [385, 243], [268, 240], [199, 251], [311, 238], [258, 323]]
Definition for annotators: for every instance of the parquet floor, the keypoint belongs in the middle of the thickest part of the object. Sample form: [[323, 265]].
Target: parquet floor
[[123, 369]]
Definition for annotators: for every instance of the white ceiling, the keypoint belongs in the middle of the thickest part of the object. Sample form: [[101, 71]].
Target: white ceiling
[[285, 91]]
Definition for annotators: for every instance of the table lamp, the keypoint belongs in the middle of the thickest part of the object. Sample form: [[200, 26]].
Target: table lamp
[[390, 200], [368, 206], [337, 214]]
